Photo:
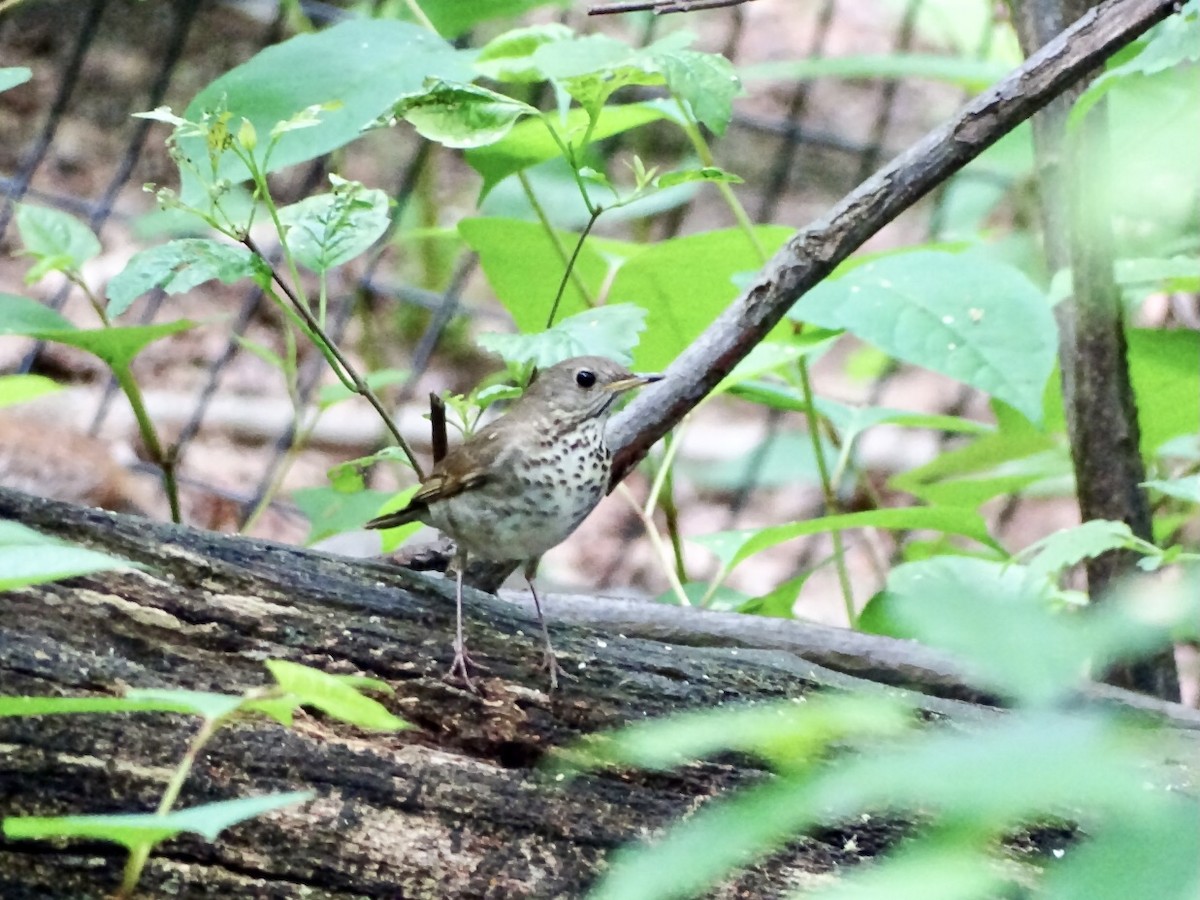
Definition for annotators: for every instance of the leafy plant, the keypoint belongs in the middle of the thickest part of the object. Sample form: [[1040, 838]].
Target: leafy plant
[[337, 696]]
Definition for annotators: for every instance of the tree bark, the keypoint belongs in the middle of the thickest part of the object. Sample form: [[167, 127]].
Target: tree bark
[[1101, 414], [456, 807]]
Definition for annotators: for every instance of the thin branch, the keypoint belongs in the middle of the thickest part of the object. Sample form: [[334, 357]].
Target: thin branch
[[814, 252], [661, 7]]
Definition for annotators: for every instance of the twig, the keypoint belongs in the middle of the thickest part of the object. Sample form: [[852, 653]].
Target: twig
[[812, 253], [661, 7]]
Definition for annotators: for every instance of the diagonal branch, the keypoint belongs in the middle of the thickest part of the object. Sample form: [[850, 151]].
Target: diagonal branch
[[815, 251]]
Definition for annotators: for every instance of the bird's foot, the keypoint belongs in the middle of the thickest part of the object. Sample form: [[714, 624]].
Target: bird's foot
[[550, 664], [460, 669]]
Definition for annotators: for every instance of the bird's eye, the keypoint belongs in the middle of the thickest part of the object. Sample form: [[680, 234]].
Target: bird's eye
[[585, 378]]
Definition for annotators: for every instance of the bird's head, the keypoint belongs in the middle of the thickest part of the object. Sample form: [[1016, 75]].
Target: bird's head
[[583, 387]]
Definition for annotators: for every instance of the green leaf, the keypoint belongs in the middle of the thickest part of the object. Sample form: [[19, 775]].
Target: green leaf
[[779, 603], [509, 56], [391, 538], [179, 266], [52, 706], [524, 268], [1185, 488], [1013, 457], [998, 622], [58, 240], [30, 557], [330, 511], [734, 547], [971, 73], [461, 115], [685, 283], [785, 735], [12, 76], [135, 830], [973, 319], [200, 703], [706, 81], [1068, 546], [454, 17], [327, 230], [923, 869], [1174, 42], [610, 331], [1152, 854], [1164, 367], [782, 458], [530, 142], [707, 173], [335, 696], [362, 65], [22, 388]]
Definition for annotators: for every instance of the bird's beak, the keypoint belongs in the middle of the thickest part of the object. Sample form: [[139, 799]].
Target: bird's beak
[[628, 384]]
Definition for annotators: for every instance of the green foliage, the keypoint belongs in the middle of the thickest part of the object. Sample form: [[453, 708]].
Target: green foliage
[[56, 240], [606, 330], [328, 230], [179, 266], [1040, 760], [137, 830], [980, 322], [337, 696], [354, 72], [21, 388], [116, 346], [30, 557]]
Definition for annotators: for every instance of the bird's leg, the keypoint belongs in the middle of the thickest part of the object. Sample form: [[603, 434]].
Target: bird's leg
[[549, 661], [461, 659]]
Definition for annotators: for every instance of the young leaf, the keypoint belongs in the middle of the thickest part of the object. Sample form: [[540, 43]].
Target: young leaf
[[208, 705], [57, 240], [530, 142], [57, 706], [1068, 546], [981, 322], [21, 388], [707, 81], [461, 115], [116, 346], [509, 56], [178, 266], [327, 230], [30, 557], [610, 331], [334, 696], [133, 830]]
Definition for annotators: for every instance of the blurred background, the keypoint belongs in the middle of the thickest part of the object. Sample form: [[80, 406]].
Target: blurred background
[[832, 91]]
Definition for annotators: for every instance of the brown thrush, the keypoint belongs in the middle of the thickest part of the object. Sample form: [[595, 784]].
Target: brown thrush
[[522, 484]]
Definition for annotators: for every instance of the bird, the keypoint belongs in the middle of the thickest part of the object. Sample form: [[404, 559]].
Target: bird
[[522, 484]]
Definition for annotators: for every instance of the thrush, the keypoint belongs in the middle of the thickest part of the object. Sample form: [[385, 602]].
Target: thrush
[[524, 483]]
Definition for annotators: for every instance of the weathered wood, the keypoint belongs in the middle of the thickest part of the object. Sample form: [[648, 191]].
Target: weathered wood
[[457, 807]]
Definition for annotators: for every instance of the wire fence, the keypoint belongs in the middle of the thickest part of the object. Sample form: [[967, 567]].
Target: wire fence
[[70, 142]]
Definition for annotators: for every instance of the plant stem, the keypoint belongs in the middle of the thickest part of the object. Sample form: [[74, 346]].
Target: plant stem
[[552, 233], [139, 855], [828, 490], [660, 548], [570, 269], [163, 459], [341, 366]]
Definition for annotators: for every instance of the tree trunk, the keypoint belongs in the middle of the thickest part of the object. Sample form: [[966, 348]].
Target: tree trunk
[[456, 807]]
